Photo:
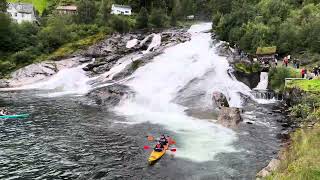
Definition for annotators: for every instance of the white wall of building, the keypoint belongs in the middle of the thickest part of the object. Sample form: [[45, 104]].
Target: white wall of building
[[121, 10], [19, 17]]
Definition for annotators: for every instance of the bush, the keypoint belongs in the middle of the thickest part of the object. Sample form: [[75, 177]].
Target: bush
[[247, 68], [158, 19], [142, 19], [277, 77], [120, 24]]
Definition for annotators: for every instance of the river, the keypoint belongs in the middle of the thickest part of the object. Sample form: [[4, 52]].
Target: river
[[67, 137]]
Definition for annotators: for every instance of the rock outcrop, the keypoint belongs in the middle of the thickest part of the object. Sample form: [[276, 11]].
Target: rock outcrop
[[108, 52], [220, 100], [272, 166], [251, 80], [110, 95], [39, 71], [229, 117]]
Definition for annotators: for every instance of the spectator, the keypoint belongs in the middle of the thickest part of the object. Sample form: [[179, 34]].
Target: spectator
[[286, 61]]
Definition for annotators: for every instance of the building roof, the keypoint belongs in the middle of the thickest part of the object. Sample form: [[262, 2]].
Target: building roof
[[266, 50], [21, 7], [67, 8], [121, 6]]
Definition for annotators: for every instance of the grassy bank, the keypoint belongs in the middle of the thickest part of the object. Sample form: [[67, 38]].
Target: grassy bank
[[302, 160]]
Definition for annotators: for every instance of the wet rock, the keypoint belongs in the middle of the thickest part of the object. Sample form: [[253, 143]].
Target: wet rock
[[229, 117], [272, 166], [284, 135], [251, 80], [4, 83], [39, 71], [219, 99], [110, 95]]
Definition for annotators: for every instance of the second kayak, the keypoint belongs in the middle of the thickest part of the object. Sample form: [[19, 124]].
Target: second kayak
[[14, 116]]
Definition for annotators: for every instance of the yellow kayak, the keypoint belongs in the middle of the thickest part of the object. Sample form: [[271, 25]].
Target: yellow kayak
[[155, 156]]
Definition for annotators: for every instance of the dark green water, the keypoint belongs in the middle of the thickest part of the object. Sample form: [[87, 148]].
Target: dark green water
[[65, 139]]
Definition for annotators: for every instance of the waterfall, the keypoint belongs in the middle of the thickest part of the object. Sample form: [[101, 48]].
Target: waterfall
[[263, 84], [158, 83], [155, 43], [66, 81]]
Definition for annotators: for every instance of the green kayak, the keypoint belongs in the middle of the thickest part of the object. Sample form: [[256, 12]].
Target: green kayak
[[14, 116]]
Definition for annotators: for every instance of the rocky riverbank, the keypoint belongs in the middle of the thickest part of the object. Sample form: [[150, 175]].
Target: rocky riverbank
[[102, 56]]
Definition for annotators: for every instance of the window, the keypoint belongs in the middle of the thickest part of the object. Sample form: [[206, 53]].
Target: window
[[127, 12], [22, 15], [15, 14]]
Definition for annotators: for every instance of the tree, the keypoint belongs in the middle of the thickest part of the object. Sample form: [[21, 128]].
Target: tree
[[6, 33], [3, 6], [142, 20], [87, 11], [104, 11], [158, 18]]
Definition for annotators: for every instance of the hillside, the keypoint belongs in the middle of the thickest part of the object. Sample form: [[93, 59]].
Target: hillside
[[40, 5]]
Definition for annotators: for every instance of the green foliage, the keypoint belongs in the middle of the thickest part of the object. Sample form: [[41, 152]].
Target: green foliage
[[278, 75], [300, 111], [104, 12], [120, 24], [3, 6], [292, 27], [305, 85], [158, 19], [87, 11], [302, 159], [142, 19], [247, 68]]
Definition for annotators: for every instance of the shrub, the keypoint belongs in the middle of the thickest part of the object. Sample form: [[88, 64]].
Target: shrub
[[120, 24], [158, 18], [277, 77], [142, 19]]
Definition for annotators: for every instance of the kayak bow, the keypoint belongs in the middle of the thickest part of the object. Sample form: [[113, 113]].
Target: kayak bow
[[155, 156], [14, 116]]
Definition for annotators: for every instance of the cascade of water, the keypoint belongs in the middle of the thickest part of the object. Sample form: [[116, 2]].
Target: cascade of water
[[159, 82], [263, 84], [155, 43]]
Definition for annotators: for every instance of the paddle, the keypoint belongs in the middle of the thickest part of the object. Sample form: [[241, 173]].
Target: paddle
[[148, 147]]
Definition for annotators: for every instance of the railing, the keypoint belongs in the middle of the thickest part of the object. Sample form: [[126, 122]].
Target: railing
[[287, 80]]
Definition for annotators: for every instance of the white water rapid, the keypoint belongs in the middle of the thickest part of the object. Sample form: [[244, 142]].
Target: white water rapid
[[263, 84], [158, 83], [155, 43], [65, 82]]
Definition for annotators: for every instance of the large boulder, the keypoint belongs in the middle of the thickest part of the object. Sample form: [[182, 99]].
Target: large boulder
[[220, 100], [229, 117], [39, 71], [251, 80], [110, 95]]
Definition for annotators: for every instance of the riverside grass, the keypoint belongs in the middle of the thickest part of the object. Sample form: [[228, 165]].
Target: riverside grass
[[302, 160], [40, 5]]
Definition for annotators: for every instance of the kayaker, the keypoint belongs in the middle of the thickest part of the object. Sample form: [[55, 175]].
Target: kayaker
[[163, 140], [4, 112], [159, 147]]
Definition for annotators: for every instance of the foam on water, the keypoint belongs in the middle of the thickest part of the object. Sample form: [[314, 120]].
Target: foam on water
[[263, 84], [157, 84], [66, 81]]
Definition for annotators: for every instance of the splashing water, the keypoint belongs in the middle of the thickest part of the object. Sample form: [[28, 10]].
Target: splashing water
[[158, 83], [263, 84], [155, 43], [66, 81]]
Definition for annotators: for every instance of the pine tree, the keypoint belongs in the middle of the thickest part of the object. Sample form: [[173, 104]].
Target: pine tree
[[142, 19], [3, 6]]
